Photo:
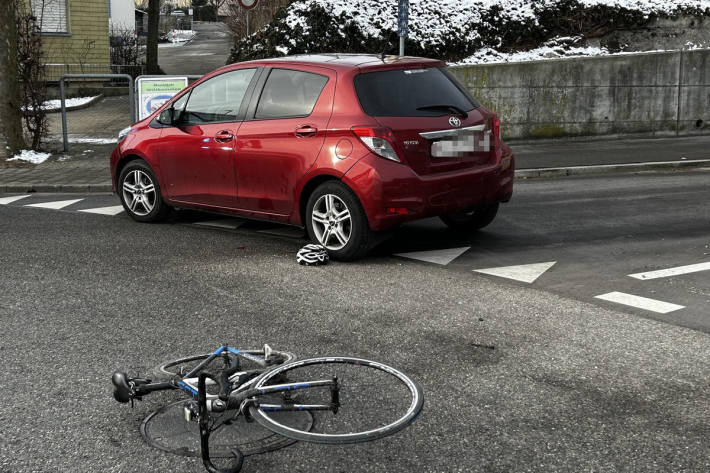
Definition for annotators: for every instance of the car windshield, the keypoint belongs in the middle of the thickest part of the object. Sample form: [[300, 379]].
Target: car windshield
[[423, 92]]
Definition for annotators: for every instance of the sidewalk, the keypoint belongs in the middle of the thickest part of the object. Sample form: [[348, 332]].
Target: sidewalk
[[86, 167]]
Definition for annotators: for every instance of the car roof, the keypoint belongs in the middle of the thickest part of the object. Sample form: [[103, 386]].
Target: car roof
[[350, 61]]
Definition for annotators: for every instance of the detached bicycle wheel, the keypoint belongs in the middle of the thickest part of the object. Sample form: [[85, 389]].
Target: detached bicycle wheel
[[376, 400]]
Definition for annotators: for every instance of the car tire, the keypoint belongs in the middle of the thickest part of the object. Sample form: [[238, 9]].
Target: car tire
[[140, 194], [472, 219], [346, 236]]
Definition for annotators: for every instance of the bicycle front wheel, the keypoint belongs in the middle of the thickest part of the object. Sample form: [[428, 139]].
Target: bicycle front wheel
[[375, 400]]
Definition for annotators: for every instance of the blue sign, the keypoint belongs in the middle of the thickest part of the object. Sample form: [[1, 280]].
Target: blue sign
[[403, 19]]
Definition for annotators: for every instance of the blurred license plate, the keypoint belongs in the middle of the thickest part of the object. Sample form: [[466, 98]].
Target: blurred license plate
[[454, 146]]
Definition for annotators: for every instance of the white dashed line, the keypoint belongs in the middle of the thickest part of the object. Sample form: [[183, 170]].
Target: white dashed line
[[442, 257], [664, 273], [60, 204], [8, 200], [640, 302], [524, 273], [113, 210]]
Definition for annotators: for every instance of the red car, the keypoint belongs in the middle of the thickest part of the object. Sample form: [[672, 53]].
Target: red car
[[344, 145]]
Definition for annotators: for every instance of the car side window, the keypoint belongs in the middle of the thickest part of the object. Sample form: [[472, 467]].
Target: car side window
[[289, 94], [218, 99]]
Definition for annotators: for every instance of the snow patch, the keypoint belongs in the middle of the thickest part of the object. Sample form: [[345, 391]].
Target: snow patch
[[30, 156]]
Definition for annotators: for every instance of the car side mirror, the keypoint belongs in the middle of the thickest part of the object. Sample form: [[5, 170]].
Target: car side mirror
[[170, 116]]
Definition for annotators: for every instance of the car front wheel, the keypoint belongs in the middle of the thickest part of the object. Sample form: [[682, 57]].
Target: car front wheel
[[140, 193], [472, 219], [335, 219]]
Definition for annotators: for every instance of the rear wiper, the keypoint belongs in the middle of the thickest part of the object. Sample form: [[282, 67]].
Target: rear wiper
[[453, 108]]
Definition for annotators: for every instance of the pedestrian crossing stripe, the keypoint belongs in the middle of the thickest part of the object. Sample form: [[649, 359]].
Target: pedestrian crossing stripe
[[524, 272], [56, 205], [13, 198], [112, 210]]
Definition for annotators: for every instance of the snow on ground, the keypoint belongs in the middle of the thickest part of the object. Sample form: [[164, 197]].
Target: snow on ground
[[553, 49], [56, 104], [30, 156]]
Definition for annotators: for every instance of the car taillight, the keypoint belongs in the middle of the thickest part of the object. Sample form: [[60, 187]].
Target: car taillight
[[495, 125], [379, 140]]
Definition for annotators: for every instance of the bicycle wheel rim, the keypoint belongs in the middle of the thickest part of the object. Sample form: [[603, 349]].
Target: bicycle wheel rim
[[375, 390], [171, 369]]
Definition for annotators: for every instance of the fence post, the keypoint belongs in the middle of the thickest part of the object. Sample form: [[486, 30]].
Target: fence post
[[65, 138], [680, 89]]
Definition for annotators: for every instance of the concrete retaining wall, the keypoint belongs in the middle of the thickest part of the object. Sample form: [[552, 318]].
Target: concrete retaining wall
[[664, 93]]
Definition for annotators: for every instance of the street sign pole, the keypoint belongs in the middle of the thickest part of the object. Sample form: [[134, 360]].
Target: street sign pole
[[402, 24]]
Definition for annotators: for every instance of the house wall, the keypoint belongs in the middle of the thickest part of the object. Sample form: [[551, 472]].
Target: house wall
[[86, 43], [665, 93], [122, 15]]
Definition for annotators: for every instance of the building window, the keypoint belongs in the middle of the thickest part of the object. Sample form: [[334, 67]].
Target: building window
[[51, 15]]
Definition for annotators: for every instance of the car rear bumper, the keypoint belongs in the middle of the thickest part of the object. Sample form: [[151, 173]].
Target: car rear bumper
[[392, 193]]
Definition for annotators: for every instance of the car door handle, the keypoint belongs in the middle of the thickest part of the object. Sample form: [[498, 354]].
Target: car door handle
[[306, 131], [224, 136]]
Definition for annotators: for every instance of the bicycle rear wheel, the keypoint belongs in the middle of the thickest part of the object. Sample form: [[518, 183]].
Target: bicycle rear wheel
[[376, 400], [176, 369]]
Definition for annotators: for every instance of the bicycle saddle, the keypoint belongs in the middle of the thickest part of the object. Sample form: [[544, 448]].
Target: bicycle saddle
[[121, 391]]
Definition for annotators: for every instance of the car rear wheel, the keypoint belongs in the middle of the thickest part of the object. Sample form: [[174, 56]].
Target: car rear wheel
[[472, 219], [140, 193], [335, 219]]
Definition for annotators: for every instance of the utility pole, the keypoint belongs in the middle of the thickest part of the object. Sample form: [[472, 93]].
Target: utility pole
[[10, 98], [402, 24]]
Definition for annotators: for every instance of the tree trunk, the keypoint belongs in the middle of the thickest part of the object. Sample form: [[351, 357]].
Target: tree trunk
[[151, 53], [10, 100]]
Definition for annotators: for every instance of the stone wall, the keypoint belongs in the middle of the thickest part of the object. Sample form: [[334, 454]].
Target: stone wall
[[663, 93]]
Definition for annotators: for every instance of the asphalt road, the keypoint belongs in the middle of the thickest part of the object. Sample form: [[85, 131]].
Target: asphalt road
[[208, 51], [517, 377]]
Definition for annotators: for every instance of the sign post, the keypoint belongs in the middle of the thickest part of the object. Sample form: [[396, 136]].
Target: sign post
[[153, 92], [403, 24], [248, 5]]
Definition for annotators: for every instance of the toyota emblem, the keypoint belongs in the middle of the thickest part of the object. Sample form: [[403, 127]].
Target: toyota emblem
[[454, 122]]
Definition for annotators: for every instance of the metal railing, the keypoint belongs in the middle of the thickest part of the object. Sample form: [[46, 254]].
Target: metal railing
[[56, 71], [62, 96]]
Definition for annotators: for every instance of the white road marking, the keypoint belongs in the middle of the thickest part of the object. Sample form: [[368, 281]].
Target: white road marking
[[640, 302], [7, 200], [664, 273], [59, 204], [525, 272], [229, 223], [285, 231], [113, 210], [442, 257]]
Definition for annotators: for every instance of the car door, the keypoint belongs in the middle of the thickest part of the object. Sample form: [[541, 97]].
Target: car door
[[281, 136], [197, 153]]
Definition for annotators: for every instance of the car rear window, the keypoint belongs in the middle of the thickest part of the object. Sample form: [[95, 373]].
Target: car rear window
[[399, 93]]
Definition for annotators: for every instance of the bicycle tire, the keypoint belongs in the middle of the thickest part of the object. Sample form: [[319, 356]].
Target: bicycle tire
[[169, 369], [375, 376]]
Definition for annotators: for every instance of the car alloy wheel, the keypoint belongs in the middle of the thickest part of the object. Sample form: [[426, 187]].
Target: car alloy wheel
[[331, 222], [139, 192]]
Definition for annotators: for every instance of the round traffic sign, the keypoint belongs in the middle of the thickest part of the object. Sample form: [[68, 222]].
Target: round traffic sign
[[248, 4]]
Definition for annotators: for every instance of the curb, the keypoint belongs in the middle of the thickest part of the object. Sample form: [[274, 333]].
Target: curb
[[56, 188], [611, 169], [520, 174]]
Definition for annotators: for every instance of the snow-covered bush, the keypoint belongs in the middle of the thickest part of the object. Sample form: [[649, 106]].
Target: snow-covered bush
[[447, 29]]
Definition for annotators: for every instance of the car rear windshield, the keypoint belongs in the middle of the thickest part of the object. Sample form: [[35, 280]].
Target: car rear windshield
[[411, 93]]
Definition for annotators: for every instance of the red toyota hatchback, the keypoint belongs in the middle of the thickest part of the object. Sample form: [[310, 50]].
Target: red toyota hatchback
[[344, 145]]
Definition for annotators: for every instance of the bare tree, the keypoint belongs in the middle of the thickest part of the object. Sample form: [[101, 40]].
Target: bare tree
[[33, 77], [10, 98], [151, 52], [261, 15]]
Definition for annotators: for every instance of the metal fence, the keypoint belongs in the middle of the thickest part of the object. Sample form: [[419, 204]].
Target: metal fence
[[56, 71], [112, 108]]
